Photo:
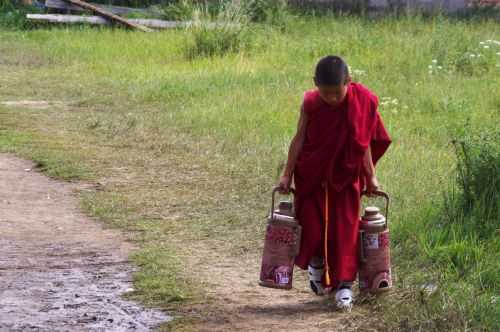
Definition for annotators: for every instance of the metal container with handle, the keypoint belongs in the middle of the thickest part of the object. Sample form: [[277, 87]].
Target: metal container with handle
[[281, 245], [375, 255]]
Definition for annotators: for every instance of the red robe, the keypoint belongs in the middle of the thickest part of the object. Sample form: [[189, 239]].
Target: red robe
[[330, 165]]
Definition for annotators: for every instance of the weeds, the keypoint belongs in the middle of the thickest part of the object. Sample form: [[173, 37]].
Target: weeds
[[272, 12], [225, 34], [478, 179], [461, 241], [177, 10], [13, 15]]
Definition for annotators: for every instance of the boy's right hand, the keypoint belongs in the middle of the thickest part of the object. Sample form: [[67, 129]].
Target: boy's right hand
[[284, 184]]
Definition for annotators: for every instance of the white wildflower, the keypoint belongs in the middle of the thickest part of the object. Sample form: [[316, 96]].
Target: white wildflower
[[496, 42], [489, 41], [434, 61], [481, 43], [440, 67], [429, 66], [358, 72], [472, 55], [498, 53], [486, 46]]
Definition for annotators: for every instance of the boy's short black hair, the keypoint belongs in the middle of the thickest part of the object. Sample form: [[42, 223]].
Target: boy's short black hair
[[331, 70]]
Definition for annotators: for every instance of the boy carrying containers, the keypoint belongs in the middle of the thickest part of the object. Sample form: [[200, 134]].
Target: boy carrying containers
[[340, 137]]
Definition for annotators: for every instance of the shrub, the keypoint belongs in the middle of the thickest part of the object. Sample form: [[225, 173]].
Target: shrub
[[273, 12], [177, 10], [478, 179], [13, 15], [217, 37], [460, 244]]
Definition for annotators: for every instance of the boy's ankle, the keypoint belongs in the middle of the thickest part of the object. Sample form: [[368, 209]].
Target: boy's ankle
[[345, 285]]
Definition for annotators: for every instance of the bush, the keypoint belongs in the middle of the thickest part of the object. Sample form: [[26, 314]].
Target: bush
[[478, 179], [273, 12], [463, 240], [177, 10], [13, 15], [459, 243], [217, 37]]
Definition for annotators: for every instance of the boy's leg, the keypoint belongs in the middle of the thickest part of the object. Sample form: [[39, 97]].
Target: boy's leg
[[310, 220], [316, 272], [344, 244], [344, 236], [311, 253], [317, 261]]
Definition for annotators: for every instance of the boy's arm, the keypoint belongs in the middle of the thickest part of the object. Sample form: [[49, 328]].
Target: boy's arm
[[293, 152], [369, 172]]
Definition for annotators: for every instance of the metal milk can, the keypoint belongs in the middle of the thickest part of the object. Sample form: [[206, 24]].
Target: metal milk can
[[281, 245], [375, 257]]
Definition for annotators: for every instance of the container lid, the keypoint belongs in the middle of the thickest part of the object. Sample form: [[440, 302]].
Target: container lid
[[285, 208], [373, 216]]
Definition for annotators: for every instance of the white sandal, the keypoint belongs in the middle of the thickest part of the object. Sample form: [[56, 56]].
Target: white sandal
[[315, 279], [344, 299]]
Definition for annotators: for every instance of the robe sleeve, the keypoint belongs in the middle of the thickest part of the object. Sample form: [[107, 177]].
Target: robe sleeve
[[380, 139]]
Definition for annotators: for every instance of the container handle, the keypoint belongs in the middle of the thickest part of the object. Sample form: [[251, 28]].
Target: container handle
[[275, 190], [387, 200]]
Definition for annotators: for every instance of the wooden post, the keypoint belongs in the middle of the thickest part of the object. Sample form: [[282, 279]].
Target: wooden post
[[108, 15]]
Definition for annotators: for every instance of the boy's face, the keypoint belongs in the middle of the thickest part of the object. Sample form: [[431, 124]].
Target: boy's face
[[333, 95]]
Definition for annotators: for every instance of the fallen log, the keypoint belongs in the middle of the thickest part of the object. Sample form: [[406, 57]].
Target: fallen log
[[97, 20], [151, 23], [108, 15], [117, 10]]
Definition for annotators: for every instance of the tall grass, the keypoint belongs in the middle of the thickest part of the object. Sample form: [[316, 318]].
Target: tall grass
[[461, 241], [479, 179], [225, 34], [13, 15]]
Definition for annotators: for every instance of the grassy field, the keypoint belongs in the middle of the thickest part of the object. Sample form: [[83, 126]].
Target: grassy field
[[185, 149]]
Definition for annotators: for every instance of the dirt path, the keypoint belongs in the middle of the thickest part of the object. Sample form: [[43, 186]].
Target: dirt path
[[75, 256], [236, 303], [59, 270]]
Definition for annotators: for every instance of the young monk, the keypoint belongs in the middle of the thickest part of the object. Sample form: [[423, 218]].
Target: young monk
[[340, 138]]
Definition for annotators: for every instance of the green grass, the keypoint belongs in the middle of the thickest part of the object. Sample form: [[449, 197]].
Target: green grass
[[196, 144]]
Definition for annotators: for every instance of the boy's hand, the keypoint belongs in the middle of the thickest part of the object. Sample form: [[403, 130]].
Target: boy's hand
[[371, 185], [284, 184]]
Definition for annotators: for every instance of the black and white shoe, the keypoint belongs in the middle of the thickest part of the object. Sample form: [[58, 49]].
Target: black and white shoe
[[315, 279], [344, 298]]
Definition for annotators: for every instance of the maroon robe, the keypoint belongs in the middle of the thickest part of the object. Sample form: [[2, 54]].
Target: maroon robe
[[330, 166]]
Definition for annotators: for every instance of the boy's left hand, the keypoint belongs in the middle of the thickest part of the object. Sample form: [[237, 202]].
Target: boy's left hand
[[371, 185]]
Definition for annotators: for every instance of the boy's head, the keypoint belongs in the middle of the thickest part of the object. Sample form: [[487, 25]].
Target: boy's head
[[332, 78]]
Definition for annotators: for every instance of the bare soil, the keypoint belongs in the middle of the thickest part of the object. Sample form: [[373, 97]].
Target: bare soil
[[59, 269], [62, 271], [235, 302]]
